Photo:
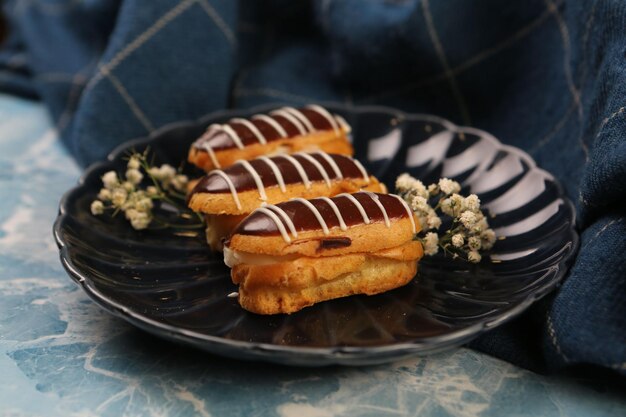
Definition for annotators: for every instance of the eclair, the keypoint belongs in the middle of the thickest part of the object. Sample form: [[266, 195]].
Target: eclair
[[226, 196], [285, 130], [291, 255]]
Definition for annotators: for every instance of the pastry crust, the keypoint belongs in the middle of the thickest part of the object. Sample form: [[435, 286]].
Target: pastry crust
[[327, 141], [218, 227], [223, 203], [371, 237], [247, 185], [283, 131], [307, 281]]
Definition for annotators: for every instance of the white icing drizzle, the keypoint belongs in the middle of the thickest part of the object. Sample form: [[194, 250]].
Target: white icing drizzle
[[299, 168], [276, 171], [331, 203], [376, 200], [271, 122], [233, 135], [294, 116], [279, 224], [358, 205], [256, 177], [207, 147], [408, 211], [363, 171], [315, 212], [324, 113], [231, 186], [344, 125], [288, 222], [332, 163], [319, 166], [274, 211], [252, 129], [301, 117], [292, 120]]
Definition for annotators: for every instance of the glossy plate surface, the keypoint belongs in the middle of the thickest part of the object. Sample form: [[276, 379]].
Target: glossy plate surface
[[174, 287]]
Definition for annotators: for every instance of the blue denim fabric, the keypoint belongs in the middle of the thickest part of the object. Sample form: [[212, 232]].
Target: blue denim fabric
[[547, 76]]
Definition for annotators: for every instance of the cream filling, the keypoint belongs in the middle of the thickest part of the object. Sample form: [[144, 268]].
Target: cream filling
[[233, 258]]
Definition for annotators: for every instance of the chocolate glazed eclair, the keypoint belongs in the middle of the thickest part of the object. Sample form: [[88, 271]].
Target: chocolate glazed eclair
[[226, 196], [294, 254], [285, 130]]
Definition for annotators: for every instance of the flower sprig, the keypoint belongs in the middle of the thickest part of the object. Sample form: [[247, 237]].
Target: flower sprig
[[126, 193], [469, 232]]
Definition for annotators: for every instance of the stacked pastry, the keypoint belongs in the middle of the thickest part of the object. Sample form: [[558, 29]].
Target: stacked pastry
[[286, 130], [294, 254], [299, 235], [226, 196]]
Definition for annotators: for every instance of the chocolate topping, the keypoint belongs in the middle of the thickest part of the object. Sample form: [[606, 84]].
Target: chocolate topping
[[243, 180], [303, 218], [334, 243], [217, 138]]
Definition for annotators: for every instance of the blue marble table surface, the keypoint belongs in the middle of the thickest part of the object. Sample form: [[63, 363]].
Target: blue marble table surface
[[61, 355]]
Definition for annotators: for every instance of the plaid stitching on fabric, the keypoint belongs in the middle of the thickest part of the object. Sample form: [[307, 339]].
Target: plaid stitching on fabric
[[434, 37], [567, 49], [140, 40], [608, 119], [554, 339], [141, 116], [76, 88], [217, 19]]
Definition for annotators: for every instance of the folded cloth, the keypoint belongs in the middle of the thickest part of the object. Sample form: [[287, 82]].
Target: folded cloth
[[544, 75]]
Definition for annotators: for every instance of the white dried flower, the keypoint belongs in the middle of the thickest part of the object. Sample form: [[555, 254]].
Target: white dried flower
[[469, 232], [407, 184], [433, 221], [125, 192], [472, 203], [468, 219], [144, 204], [474, 243], [104, 194], [431, 243], [458, 240], [110, 180], [130, 212], [481, 224], [128, 186], [180, 182], [155, 172], [134, 176], [420, 189], [474, 257], [167, 172], [446, 207], [118, 197], [133, 162], [453, 205], [140, 220], [152, 191], [488, 238], [448, 186], [97, 207], [403, 182], [419, 204]]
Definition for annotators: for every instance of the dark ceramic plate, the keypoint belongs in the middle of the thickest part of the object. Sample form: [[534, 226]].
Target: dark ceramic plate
[[173, 287]]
